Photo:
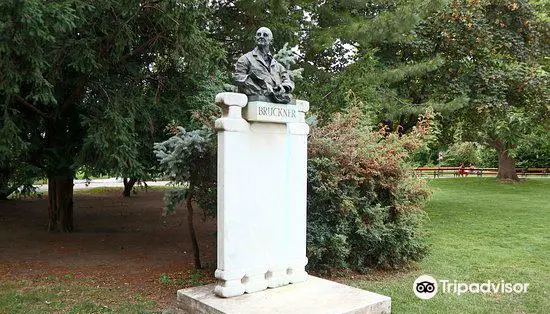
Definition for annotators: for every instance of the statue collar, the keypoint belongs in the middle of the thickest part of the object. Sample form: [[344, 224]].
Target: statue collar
[[257, 52], [259, 56]]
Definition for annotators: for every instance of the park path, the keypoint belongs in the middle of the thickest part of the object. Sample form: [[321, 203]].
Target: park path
[[96, 183]]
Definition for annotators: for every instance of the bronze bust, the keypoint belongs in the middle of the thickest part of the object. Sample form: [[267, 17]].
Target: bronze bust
[[258, 74]]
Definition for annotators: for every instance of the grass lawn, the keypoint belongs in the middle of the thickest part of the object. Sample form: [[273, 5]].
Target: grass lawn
[[65, 295], [480, 230]]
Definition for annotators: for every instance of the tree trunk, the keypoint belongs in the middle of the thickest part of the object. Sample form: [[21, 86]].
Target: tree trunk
[[53, 210], [5, 188], [506, 166], [60, 203], [191, 226], [128, 185], [4, 196]]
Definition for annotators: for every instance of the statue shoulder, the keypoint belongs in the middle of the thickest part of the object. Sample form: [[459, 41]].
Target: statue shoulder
[[246, 57]]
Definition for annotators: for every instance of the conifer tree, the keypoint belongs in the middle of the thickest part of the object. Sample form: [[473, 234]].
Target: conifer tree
[[82, 83], [236, 21], [359, 46]]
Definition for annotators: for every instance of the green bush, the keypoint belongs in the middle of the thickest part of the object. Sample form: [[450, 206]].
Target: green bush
[[188, 158], [460, 152], [365, 208], [534, 151], [486, 157]]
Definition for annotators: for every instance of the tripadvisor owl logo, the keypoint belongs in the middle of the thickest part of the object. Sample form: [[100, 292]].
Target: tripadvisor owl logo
[[425, 287]]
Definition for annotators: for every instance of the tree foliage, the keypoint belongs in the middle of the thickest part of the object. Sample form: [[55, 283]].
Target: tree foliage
[[88, 83], [361, 46], [92, 85], [492, 52], [236, 21], [190, 160]]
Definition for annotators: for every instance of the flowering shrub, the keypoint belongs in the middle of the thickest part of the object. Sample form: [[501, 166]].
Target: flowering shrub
[[365, 208]]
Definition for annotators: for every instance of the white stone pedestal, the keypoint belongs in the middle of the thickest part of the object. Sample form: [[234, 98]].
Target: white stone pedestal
[[262, 182], [314, 296], [262, 187]]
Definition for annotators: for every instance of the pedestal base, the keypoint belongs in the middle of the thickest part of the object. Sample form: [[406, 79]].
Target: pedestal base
[[314, 295]]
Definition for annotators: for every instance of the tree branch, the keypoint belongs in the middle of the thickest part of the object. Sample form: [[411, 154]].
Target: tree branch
[[76, 93], [141, 48], [31, 107], [191, 226], [495, 143]]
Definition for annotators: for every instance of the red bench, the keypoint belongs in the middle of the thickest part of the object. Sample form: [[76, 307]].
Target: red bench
[[436, 172]]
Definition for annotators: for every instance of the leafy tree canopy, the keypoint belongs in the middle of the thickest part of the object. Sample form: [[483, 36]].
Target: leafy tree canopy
[[492, 52], [89, 83]]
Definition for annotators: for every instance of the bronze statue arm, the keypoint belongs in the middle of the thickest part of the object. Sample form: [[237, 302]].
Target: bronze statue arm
[[242, 68], [286, 82]]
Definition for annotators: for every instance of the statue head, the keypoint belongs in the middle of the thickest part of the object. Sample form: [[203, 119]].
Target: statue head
[[264, 37]]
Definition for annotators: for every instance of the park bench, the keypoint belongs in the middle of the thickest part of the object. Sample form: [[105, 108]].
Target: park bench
[[437, 172], [479, 172], [534, 171]]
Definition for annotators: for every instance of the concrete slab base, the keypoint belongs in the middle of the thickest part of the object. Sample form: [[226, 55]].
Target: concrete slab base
[[313, 296]]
